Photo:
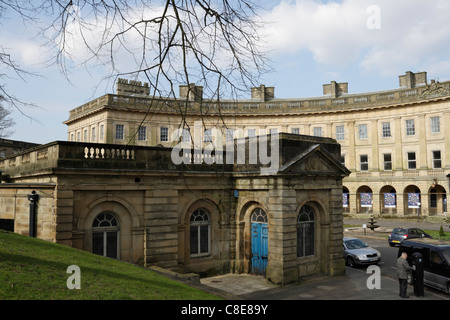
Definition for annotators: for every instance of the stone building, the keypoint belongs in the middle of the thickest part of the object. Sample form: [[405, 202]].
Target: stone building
[[396, 142], [10, 147], [135, 204]]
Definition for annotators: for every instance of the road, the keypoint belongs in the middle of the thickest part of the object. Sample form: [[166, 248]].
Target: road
[[389, 257]]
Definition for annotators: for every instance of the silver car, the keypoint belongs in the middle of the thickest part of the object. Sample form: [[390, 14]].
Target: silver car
[[357, 252]]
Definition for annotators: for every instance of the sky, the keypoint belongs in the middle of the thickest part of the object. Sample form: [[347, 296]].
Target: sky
[[366, 43]]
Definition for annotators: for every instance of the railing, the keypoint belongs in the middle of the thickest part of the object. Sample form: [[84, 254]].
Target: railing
[[108, 153]]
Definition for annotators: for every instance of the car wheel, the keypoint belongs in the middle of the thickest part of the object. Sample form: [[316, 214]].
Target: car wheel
[[350, 262]]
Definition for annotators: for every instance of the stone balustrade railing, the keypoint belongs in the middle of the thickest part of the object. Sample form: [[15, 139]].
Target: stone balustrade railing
[[249, 106]]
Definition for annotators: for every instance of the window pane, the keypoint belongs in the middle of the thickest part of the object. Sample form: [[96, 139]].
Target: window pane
[[437, 163], [309, 239], [119, 131], [410, 128], [204, 239], [97, 243], [411, 160], [386, 130], [300, 251], [142, 134], [364, 159], [340, 133], [317, 132], [111, 244], [164, 134], [362, 131], [194, 239], [186, 135], [230, 134], [387, 162], [435, 125]]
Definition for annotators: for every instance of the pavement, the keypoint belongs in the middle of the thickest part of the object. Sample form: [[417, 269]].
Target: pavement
[[356, 284]]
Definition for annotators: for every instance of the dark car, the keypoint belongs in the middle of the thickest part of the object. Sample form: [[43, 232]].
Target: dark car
[[436, 260], [399, 234]]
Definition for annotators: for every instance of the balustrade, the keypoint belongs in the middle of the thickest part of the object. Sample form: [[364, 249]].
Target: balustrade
[[108, 153]]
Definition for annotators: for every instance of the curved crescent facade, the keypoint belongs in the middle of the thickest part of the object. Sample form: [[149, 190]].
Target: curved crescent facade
[[396, 143]]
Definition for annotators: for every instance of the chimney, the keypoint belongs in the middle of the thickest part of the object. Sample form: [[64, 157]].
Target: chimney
[[335, 89], [263, 93], [131, 87], [412, 80], [191, 92]]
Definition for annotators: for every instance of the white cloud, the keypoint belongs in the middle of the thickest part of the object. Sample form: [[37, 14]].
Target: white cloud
[[412, 33]]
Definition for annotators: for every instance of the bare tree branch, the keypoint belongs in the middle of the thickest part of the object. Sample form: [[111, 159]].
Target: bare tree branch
[[212, 43]]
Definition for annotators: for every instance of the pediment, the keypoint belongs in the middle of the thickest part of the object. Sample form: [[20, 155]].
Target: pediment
[[314, 161]]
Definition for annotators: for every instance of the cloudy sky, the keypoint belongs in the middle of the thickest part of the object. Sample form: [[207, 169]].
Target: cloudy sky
[[367, 43]]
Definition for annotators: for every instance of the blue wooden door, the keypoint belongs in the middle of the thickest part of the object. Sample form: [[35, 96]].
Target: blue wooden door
[[260, 248]]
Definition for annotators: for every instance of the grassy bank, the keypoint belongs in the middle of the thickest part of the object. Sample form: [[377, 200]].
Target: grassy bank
[[34, 269]]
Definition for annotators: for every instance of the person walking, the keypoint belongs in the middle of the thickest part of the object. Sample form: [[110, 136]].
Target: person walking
[[403, 269]]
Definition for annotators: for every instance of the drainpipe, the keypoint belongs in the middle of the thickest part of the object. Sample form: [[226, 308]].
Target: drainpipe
[[33, 198]]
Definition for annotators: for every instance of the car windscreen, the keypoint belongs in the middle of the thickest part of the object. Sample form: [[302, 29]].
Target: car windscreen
[[446, 254], [399, 231], [355, 244]]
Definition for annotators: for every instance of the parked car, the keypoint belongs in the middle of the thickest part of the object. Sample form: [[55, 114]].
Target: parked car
[[357, 252], [436, 260], [399, 234]]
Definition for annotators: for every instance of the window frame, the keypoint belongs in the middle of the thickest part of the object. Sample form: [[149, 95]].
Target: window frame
[[435, 124], [340, 133], [437, 160], [198, 226], [142, 133], [363, 165], [163, 134], [387, 164], [386, 129], [306, 247], [412, 163], [317, 132], [363, 132], [120, 132], [104, 231], [410, 127]]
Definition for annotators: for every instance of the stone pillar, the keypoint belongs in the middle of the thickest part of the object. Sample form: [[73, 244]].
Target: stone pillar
[[446, 153], [282, 266], [351, 157], [423, 153], [398, 157], [161, 228], [63, 218], [335, 228]]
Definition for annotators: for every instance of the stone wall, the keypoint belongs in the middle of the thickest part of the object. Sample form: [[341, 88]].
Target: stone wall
[[153, 201]]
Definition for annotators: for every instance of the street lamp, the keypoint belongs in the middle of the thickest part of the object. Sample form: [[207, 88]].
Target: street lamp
[[33, 198]]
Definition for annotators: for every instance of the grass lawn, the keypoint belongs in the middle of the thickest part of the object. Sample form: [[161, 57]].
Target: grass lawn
[[33, 269]]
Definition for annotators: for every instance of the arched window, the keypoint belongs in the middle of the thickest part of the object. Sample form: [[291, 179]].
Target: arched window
[[259, 216], [200, 233], [305, 232], [105, 235]]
